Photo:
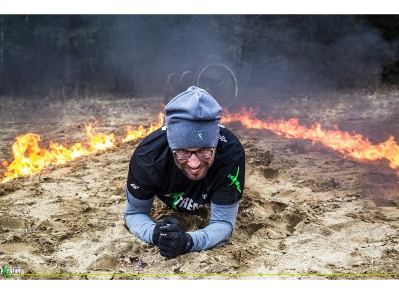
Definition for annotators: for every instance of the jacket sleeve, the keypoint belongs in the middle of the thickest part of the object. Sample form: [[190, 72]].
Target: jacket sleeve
[[137, 217], [219, 230], [216, 233]]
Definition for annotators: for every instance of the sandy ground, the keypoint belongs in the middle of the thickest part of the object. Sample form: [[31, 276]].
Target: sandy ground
[[308, 212]]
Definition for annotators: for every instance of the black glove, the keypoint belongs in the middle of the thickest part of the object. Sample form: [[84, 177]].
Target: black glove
[[173, 241], [168, 220]]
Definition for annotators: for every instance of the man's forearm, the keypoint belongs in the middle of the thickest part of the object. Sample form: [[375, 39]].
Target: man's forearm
[[219, 230], [217, 233], [137, 217]]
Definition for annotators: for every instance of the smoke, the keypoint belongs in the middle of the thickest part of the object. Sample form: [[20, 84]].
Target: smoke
[[273, 53], [309, 52], [134, 54]]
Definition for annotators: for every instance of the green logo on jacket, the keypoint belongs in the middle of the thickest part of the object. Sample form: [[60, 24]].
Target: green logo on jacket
[[234, 180]]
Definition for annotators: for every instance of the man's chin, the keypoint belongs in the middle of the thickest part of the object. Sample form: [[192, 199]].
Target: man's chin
[[194, 176]]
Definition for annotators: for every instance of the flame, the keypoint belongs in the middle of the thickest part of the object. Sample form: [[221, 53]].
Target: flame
[[30, 159], [141, 131], [352, 145], [99, 142]]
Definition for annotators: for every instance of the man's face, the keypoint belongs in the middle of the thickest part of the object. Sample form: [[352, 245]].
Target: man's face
[[194, 168]]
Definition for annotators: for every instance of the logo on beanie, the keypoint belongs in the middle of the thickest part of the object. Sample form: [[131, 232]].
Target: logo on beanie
[[200, 135]]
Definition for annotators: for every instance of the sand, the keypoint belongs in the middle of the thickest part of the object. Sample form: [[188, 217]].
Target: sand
[[308, 211]]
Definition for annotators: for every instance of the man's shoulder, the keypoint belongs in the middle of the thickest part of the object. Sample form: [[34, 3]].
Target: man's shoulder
[[227, 138], [154, 145], [229, 146]]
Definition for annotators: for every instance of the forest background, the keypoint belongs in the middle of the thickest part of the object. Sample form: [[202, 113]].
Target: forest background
[[75, 55]]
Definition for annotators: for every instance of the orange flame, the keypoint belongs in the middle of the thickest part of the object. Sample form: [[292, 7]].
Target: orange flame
[[30, 159], [354, 146], [99, 142], [141, 131]]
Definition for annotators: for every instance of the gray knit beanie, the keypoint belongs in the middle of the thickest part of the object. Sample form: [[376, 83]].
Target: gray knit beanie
[[192, 120]]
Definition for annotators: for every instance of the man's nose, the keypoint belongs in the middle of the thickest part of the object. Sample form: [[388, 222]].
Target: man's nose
[[194, 162]]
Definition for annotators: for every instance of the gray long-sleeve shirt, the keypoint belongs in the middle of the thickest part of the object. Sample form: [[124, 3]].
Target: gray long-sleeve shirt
[[216, 233]]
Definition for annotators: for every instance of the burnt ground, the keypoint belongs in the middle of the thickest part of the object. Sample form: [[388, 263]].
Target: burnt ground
[[308, 212]]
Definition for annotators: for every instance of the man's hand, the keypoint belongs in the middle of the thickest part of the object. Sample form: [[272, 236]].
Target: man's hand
[[168, 220], [173, 241]]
